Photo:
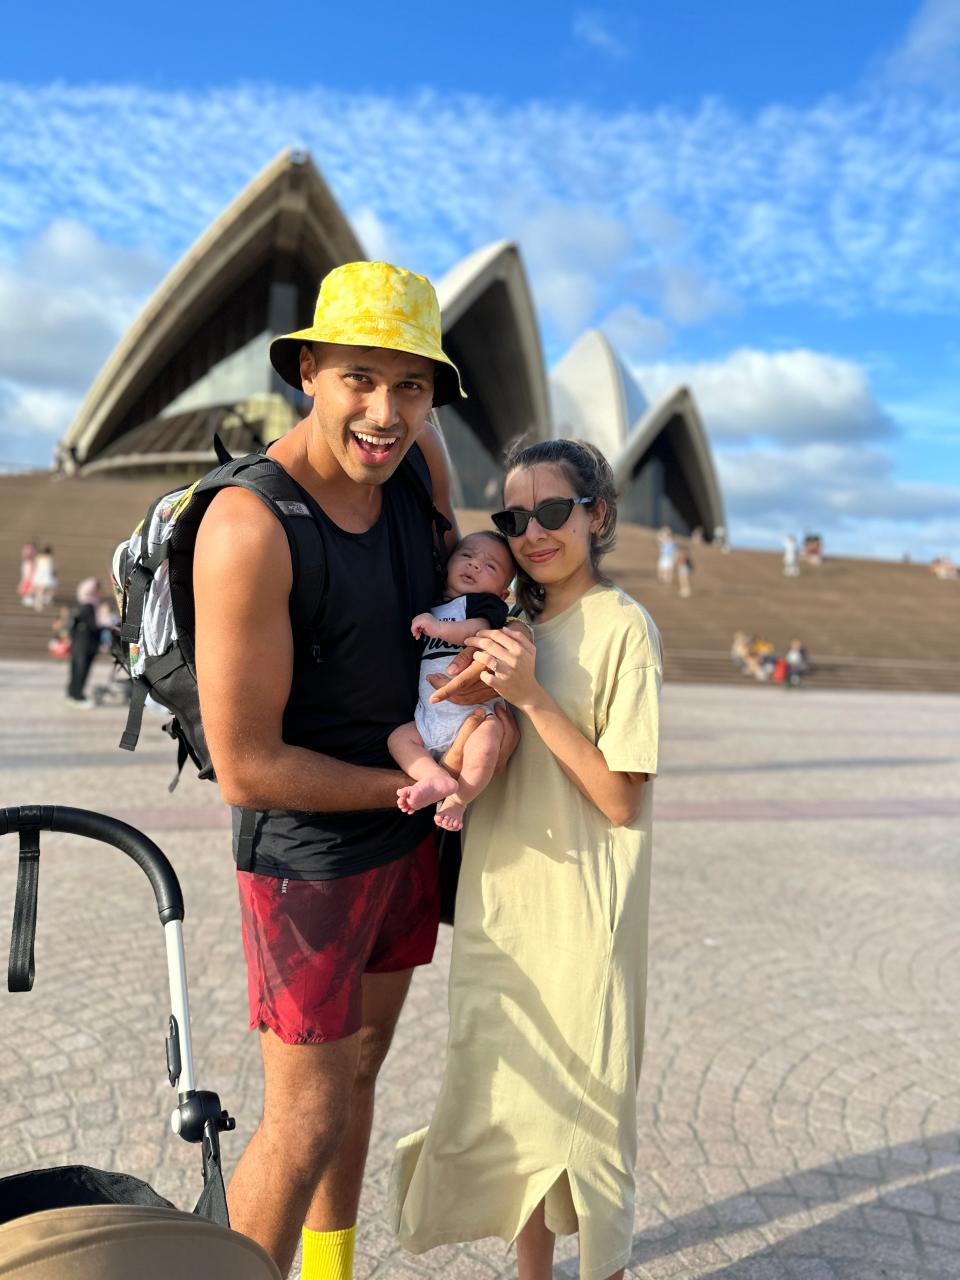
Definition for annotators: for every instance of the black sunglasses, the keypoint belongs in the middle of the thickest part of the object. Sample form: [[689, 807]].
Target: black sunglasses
[[549, 515]]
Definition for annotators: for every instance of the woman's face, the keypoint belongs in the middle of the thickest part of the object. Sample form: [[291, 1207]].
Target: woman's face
[[550, 555]]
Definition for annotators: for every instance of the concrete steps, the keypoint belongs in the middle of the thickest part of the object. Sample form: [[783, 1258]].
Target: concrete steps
[[867, 624], [82, 520]]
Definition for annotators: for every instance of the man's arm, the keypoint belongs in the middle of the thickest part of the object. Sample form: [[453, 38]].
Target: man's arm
[[244, 654], [434, 449]]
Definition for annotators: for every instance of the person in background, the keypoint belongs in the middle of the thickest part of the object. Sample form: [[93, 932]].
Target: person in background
[[84, 641], [44, 579], [796, 660], [666, 556], [28, 566], [790, 566], [684, 570]]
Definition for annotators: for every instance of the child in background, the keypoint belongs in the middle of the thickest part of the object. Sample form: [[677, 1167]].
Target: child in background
[[479, 573]]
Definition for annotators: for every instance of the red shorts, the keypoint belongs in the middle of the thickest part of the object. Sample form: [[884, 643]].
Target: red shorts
[[308, 943]]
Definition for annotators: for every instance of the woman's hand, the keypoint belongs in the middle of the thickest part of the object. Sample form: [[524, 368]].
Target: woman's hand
[[509, 659]]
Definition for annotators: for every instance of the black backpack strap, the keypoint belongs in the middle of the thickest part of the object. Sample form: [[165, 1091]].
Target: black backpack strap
[[138, 696], [415, 468], [220, 449], [182, 755], [245, 839], [277, 490], [131, 734]]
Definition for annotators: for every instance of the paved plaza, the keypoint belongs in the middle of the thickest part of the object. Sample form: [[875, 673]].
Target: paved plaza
[[800, 1098]]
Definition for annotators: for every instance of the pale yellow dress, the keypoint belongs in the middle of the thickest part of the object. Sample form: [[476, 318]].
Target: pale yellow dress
[[548, 978]]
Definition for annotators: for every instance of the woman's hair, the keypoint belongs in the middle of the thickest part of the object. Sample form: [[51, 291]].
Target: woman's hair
[[590, 475]]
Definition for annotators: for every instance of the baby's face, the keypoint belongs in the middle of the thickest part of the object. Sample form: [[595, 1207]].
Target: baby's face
[[480, 563]]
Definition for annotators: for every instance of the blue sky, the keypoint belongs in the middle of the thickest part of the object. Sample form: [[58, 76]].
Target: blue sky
[[758, 199]]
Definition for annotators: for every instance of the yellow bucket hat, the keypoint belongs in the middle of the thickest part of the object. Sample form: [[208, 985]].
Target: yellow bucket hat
[[374, 304]]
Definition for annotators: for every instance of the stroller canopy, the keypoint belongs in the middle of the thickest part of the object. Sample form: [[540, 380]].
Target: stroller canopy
[[117, 1241]]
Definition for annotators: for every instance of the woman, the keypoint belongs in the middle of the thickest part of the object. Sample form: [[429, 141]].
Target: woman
[[535, 1128], [85, 640], [44, 579]]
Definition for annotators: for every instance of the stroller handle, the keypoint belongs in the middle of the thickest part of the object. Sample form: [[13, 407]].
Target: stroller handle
[[151, 860]]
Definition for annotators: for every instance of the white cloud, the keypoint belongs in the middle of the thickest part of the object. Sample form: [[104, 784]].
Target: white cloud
[[595, 239], [32, 421], [566, 298], [688, 298], [848, 204], [374, 235], [65, 302], [597, 29], [796, 396], [930, 53], [651, 219], [636, 335], [849, 494], [801, 444], [65, 299], [570, 252]]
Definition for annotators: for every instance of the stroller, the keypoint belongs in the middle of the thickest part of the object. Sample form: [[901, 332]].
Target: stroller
[[85, 1222]]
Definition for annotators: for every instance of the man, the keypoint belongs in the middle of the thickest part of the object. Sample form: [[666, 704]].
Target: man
[[338, 888]]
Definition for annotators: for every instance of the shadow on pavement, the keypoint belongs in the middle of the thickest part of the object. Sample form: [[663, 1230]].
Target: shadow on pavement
[[901, 1222]]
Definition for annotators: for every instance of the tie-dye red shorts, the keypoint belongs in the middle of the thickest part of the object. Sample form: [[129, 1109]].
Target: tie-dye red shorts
[[308, 943]]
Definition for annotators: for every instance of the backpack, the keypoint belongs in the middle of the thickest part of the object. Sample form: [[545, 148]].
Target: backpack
[[153, 582]]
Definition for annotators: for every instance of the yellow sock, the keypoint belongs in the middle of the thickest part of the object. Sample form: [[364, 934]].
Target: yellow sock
[[328, 1255]]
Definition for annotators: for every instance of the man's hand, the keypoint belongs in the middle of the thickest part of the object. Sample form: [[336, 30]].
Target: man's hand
[[511, 735], [452, 759], [463, 685]]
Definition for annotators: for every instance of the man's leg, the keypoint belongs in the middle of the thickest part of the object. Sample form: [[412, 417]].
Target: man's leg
[[306, 1109], [337, 1195]]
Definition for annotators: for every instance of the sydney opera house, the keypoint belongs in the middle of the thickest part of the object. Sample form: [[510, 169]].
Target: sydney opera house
[[195, 362]]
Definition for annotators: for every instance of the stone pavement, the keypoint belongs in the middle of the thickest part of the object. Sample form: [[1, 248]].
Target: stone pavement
[[800, 1098]]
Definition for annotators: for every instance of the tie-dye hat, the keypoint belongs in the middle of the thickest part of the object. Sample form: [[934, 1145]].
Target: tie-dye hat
[[374, 304]]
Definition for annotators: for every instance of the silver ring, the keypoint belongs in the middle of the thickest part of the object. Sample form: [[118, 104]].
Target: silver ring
[[492, 666]]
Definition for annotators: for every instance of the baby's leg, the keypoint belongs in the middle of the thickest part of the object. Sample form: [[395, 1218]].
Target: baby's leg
[[431, 780], [479, 761]]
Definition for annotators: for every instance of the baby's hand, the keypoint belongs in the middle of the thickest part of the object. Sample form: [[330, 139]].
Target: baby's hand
[[423, 625]]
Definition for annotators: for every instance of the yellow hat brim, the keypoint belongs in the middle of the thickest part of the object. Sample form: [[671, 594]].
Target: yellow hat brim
[[285, 353]]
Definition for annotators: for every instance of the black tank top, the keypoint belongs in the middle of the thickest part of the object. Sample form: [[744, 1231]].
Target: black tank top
[[364, 685]]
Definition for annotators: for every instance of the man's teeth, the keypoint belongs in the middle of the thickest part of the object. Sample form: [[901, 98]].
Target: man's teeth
[[382, 441]]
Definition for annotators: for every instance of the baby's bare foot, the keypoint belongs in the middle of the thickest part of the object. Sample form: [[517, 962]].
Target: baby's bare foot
[[450, 815], [437, 787]]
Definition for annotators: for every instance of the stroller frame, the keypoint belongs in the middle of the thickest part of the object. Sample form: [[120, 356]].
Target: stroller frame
[[198, 1116]]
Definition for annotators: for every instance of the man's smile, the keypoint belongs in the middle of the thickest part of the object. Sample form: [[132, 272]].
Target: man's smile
[[373, 448]]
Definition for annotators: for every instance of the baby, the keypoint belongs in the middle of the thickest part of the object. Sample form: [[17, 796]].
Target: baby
[[479, 573]]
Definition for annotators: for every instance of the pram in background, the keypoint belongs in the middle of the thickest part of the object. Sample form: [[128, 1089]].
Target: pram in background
[[84, 1222]]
